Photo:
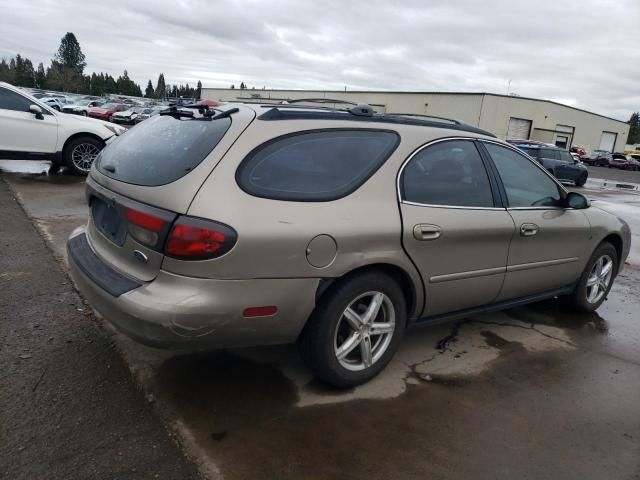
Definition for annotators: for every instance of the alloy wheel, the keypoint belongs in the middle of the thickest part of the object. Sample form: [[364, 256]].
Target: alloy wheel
[[599, 279], [83, 156], [364, 331]]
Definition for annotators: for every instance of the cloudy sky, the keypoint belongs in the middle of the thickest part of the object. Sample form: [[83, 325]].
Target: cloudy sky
[[582, 53]]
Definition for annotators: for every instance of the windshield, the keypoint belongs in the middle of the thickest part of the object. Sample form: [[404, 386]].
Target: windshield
[[161, 150]]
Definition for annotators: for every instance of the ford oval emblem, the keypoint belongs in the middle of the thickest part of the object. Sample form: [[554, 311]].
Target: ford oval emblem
[[140, 256]]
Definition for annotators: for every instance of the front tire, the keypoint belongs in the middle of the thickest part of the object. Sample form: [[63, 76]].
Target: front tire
[[80, 153], [355, 329], [596, 279]]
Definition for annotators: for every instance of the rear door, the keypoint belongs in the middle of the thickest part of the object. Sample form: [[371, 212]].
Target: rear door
[[566, 168], [550, 241], [453, 227]]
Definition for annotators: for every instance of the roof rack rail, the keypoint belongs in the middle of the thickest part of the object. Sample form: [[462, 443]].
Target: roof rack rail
[[318, 100], [294, 112], [425, 116]]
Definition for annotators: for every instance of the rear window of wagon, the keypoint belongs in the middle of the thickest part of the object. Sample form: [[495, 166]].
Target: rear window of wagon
[[315, 165], [161, 149]]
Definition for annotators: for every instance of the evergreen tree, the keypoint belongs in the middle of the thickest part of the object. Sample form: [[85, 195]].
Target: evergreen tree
[[40, 77], [6, 74], [148, 92], [634, 129], [198, 89], [233, 87], [242, 86], [70, 54], [161, 88]]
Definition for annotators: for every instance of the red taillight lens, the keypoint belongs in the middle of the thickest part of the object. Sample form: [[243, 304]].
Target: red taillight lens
[[144, 220], [196, 239]]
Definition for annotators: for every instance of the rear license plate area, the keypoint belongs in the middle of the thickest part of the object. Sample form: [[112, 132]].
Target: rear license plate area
[[108, 219]]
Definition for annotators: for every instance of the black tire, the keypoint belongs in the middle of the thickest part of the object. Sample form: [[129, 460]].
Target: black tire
[[84, 114], [579, 182], [317, 343], [84, 142], [578, 299]]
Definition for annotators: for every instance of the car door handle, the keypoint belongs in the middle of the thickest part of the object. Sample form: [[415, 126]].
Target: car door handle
[[529, 229], [425, 231]]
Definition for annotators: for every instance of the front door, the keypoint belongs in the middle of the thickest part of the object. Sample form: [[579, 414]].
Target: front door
[[452, 229], [22, 135], [550, 242]]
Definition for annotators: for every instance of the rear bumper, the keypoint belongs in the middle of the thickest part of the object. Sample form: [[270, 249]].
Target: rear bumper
[[174, 311]]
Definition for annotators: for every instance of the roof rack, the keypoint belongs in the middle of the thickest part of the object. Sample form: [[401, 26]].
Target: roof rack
[[318, 100], [424, 116], [363, 113]]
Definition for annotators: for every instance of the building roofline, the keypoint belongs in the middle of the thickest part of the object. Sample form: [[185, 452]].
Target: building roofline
[[424, 93]]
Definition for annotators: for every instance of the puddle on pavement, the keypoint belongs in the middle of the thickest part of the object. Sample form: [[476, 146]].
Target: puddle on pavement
[[257, 413]]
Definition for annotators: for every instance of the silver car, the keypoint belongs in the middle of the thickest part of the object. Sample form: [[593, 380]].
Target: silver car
[[338, 229]]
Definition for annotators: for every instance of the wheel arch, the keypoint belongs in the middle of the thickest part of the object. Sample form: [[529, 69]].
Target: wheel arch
[[615, 240], [78, 135], [400, 275]]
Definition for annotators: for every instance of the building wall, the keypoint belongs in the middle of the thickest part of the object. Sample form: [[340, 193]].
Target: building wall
[[488, 111]]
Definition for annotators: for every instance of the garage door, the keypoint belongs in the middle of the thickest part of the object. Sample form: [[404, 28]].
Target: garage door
[[607, 141], [519, 129]]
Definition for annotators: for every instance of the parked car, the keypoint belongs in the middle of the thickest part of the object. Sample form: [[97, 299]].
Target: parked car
[[32, 130], [620, 155], [105, 111], [560, 163], [81, 108], [626, 163], [148, 113], [126, 116], [53, 102], [262, 224], [599, 158]]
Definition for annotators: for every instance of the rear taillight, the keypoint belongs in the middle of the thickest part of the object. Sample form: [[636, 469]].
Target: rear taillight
[[144, 227], [197, 239]]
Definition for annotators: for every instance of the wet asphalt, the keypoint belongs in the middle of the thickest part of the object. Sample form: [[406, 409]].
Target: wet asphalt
[[534, 392], [68, 407]]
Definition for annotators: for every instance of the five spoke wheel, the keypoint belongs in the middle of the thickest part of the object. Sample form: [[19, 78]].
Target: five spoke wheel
[[599, 278], [364, 331]]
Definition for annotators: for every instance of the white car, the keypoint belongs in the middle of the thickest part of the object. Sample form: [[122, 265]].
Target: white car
[[32, 130], [82, 107]]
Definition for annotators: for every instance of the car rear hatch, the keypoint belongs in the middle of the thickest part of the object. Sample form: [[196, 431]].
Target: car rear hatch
[[146, 179]]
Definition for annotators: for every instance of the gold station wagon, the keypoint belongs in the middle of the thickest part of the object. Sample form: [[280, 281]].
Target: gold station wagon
[[336, 228]]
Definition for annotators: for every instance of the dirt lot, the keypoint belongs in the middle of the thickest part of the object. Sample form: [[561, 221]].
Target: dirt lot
[[535, 392]]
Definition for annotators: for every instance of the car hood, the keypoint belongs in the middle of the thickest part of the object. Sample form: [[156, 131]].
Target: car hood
[[88, 121]]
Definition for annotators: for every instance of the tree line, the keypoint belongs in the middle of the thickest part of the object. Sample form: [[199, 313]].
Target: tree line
[[66, 74]]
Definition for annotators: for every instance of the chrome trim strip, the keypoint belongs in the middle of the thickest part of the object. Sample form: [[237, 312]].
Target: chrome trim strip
[[450, 206], [544, 263], [469, 274]]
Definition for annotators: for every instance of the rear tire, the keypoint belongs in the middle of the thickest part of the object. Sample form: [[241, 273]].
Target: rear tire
[[593, 287], [335, 349], [80, 153]]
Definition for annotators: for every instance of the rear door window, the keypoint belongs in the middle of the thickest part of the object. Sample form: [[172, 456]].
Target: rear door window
[[448, 173], [315, 166], [161, 150]]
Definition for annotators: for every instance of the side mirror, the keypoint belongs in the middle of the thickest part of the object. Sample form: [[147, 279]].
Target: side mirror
[[576, 201], [37, 111]]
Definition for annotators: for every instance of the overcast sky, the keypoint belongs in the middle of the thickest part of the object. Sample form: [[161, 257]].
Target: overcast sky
[[582, 53]]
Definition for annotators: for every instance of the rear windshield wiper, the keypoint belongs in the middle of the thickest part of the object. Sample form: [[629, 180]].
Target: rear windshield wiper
[[175, 113], [212, 115]]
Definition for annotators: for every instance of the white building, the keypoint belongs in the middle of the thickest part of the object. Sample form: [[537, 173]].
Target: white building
[[508, 117]]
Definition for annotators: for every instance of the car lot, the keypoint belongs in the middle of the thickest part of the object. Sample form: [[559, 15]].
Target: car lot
[[531, 392]]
